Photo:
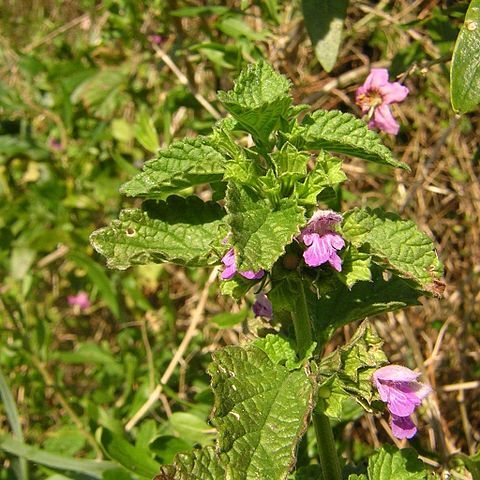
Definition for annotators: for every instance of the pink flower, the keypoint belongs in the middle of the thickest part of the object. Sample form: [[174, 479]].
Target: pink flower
[[80, 300], [375, 96], [262, 306], [231, 269], [155, 39], [398, 387], [322, 241]]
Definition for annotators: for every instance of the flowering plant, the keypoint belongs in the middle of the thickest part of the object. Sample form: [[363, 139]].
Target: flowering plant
[[273, 226]]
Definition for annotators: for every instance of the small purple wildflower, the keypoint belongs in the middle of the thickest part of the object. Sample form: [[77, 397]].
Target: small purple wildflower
[[375, 96], [155, 39], [231, 269], [262, 306], [79, 300], [399, 389], [55, 144], [322, 241]]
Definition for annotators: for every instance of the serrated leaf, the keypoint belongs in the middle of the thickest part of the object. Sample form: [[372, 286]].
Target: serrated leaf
[[339, 132], [259, 99], [261, 411], [289, 161], [338, 305], [187, 163], [391, 463], [201, 464], [465, 67], [396, 243], [347, 371], [259, 232], [355, 267], [355, 476], [472, 463], [182, 231], [324, 22]]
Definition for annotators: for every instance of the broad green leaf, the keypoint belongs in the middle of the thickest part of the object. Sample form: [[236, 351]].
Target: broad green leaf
[[184, 164], [289, 161], [324, 22], [340, 132], [338, 305], [145, 132], [355, 267], [90, 468], [355, 476], [348, 370], [135, 459], [280, 351], [259, 232], [182, 231], [261, 410], [13, 418], [258, 100], [203, 464], [166, 447], [472, 463], [190, 428], [395, 243], [391, 463], [99, 278], [229, 319], [465, 67]]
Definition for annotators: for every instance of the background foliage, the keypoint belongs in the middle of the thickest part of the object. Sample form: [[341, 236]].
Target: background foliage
[[87, 91]]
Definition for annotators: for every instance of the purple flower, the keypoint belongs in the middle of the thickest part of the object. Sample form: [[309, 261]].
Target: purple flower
[[231, 269], [79, 300], [399, 389], [322, 241], [155, 39], [375, 96], [262, 306]]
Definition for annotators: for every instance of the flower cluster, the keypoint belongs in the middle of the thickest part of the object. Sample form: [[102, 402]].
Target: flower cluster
[[399, 389], [322, 240], [375, 96]]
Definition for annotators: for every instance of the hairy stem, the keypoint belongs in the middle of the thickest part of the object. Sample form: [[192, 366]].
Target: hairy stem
[[325, 442]]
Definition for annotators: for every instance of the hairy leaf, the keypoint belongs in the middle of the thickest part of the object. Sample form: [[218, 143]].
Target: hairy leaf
[[258, 100], [261, 410], [389, 463], [396, 243], [465, 67], [355, 267], [343, 133], [184, 164], [324, 21], [260, 232], [182, 231], [338, 305]]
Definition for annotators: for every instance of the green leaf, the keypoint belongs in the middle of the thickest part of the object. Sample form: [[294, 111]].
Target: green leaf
[[340, 132], [201, 464], [324, 21], [182, 231], [280, 351], [338, 305], [184, 164], [190, 428], [355, 476], [229, 319], [355, 267], [99, 278], [395, 243], [258, 100], [261, 411], [465, 67], [259, 232], [472, 463], [14, 421], [145, 132], [91, 468], [166, 447], [348, 370], [135, 459], [390, 463]]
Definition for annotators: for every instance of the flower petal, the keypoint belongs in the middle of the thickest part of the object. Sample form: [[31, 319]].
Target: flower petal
[[402, 400], [384, 120], [395, 373], [335, 261], [402, 427], [251, 275], [393, 92], [319, 250], [377, 78], [230, 268], [262, 306]]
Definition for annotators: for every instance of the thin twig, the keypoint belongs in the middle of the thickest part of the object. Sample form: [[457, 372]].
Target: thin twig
[[195, 320], [184, 80]]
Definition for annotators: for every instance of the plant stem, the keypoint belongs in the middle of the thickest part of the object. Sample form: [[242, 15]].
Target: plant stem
[[327, 450], [326, 447]]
